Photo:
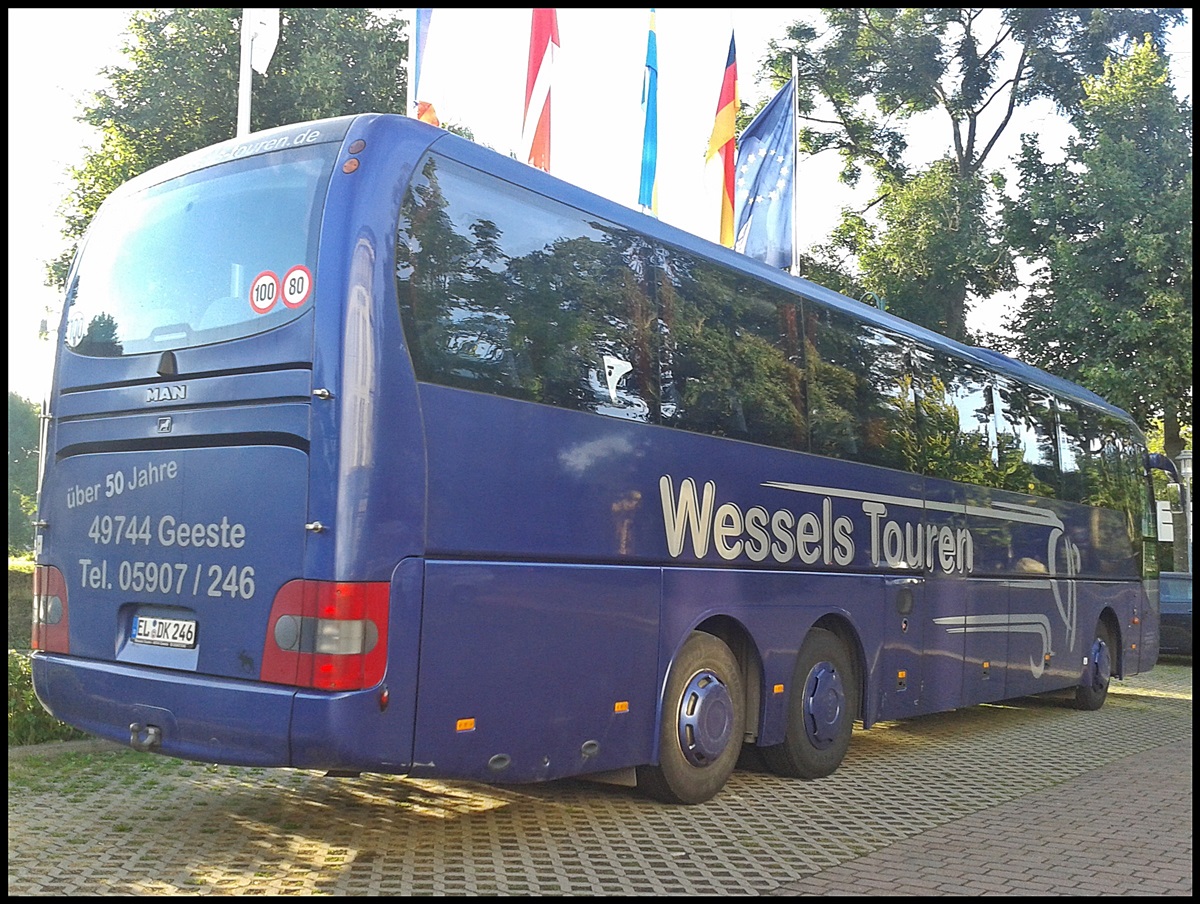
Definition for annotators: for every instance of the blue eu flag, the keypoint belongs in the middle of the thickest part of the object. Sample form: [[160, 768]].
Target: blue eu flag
[[766, 184]]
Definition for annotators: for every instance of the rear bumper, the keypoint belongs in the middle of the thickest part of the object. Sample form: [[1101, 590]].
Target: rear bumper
[[215, 721], [212, 720]]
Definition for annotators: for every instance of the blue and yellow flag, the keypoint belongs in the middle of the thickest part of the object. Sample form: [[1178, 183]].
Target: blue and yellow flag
[[648, 193]]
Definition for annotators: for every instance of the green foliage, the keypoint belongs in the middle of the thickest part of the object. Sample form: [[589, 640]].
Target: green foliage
[[23, 436], [28, 722], [20, 597], [178, 91], [871, 70], [939, 243], [1110, 228]]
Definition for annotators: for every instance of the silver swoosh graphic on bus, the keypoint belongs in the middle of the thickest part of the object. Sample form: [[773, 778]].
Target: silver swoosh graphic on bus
[[1005, 624], [1004, 511]]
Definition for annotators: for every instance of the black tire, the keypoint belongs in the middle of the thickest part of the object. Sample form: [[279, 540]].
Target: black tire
[[703, 722], [1102, 659], [821, 710]]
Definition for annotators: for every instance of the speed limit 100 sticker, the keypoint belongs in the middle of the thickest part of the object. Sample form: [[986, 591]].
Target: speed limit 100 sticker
[[264, 292], [297, 286]]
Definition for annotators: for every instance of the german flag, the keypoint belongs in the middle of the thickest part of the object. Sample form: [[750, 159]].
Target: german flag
[[723, 142]]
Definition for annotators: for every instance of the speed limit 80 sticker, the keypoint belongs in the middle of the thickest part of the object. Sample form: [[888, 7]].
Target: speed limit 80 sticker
[[294, 289], [297, 286]]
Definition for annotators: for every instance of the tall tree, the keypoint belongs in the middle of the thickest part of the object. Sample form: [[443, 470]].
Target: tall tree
[[936, 242], [1111, 229], [22, 471], [871, 70], [177, 91]]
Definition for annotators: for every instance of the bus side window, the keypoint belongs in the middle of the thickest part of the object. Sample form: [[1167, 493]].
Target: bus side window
[[1070, 450], [1027, 442], [1115, 495], [505, 291], [731, 355], [958, 430], [860, 392], [891, 426]]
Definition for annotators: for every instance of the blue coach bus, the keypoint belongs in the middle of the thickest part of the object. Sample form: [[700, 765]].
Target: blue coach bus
[[370, 449]]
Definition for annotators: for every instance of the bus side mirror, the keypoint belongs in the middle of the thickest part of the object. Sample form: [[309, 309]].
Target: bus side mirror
[[1160, 462]]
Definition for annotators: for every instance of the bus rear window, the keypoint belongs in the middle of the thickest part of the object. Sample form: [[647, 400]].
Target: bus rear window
[[218, 254]]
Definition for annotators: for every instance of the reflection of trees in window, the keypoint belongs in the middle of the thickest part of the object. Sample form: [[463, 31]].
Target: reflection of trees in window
[[100, 340], [889, 432], [959, 427], [1081, 444], [734, 364], [505, 291], [833, 424], [859, 392], [954, 419], [523, 296], [430, 259], [1123, 459], [1109, 470], [574, 304], [1027, 456]]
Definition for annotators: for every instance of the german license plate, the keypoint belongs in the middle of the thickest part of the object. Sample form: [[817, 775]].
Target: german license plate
[[164, 632]]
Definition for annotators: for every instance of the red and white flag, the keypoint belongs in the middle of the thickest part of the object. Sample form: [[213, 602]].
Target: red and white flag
[[535, 128]]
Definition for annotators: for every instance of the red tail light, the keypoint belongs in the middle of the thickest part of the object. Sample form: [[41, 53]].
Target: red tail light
[[327, 635], [51, 627]]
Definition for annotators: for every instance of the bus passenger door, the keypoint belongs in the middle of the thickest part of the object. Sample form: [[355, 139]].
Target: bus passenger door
[[947, 560], [903, 646], [985, 600], [985, 640], [945, 640]]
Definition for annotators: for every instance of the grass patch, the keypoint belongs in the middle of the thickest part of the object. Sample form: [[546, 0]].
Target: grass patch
[[70, 772], [28, 721]]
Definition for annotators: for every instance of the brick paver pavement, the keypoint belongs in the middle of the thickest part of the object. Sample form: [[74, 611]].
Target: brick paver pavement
[[1030, 797]]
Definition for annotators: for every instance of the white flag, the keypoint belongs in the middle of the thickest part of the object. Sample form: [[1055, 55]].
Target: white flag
[[263, 26]]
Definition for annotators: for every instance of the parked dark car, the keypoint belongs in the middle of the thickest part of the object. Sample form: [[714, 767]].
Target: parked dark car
[[1175, 596]]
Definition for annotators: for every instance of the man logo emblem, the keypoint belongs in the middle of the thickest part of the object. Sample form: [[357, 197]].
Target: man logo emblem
[[164, 425], [166, 393]]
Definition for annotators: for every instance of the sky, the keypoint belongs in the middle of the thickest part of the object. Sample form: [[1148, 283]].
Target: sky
[[474, 74]]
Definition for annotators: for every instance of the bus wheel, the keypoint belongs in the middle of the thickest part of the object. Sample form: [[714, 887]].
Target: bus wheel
[[821, 711], [1093, 684], [703, 720]]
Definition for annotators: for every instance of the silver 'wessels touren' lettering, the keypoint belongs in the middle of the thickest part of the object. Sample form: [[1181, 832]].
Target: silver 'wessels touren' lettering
[[814, 537]]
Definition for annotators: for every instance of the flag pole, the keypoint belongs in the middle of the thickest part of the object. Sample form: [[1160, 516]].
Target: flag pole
[[795, 268], [243, 111], [410, 101]]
